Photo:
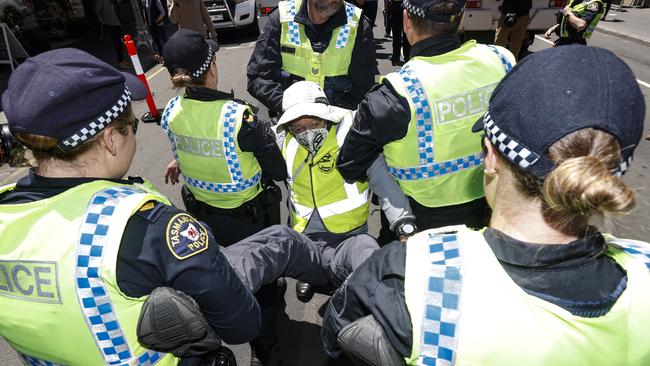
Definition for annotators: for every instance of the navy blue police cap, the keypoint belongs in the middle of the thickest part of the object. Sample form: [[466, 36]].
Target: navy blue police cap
[[189, 50], [421, 9], [558, 91], [67, 94]]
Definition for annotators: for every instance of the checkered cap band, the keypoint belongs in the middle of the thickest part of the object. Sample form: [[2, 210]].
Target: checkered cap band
[[438, 333], [97, 125], [511, 149], [206, 63], [623, 166], [507, 65], [238, 184], [92, 294], [414, 9], [639, 250]]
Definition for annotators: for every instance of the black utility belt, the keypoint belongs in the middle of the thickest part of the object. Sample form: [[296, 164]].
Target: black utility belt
[[243, 210]]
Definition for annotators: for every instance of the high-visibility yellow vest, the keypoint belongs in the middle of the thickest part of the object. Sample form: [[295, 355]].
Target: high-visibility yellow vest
[[204, 142], [315, 183], [438, 162], [466, 310], [578, 10], [60, 301], [298, 57]]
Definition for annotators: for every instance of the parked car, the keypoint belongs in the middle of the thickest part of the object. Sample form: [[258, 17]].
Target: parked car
[[239, 14]]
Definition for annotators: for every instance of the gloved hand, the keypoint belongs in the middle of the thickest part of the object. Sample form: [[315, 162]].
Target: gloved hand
[[172, 322]]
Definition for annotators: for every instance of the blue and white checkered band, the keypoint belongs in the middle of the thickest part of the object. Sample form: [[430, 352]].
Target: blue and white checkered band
[[294, 31], [98, 124], [428, 167], [238, 184], [91, 291], [344, 31], [637, 250], [206, 63], [623, 166], [438, 338], [414, 9], [513, 150], [507, 65], [33, 361]]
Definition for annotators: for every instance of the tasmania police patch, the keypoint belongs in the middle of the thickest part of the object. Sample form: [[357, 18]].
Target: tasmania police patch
[[185, 236]]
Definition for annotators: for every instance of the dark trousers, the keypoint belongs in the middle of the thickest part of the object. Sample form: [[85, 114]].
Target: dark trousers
[[399, 37], [475, 214], [159, 35], [115, 33], [370, 11]]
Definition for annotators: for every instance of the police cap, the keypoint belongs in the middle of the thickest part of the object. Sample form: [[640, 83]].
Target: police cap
[[67, 94], [421, 9], [558, 91], [189, 50]]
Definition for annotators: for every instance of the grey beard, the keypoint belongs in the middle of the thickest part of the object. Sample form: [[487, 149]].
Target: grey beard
[[327, 8]]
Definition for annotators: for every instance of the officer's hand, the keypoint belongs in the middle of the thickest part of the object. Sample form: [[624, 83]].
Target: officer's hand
[[172, 172], [549, 32]]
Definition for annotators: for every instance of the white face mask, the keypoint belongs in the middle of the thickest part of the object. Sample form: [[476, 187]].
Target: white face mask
[[312, 139]]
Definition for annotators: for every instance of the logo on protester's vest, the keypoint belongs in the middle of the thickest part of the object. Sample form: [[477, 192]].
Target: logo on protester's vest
[[326, 163], [185, 236]]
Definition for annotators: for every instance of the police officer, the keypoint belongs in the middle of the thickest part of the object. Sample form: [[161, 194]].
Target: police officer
[[81, 248], [328, 210], [220, 147], [576, 22], [326, 41], [401, 44], [513, 23], [420, 116], [539, 286]]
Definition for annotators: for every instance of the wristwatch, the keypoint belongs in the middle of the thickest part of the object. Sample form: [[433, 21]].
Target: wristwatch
[[406, 229]]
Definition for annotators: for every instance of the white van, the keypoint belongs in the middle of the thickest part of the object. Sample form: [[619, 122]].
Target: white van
[[241, 14]]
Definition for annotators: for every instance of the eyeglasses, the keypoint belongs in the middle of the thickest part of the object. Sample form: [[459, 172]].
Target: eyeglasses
[[310, 125], [134, 125]]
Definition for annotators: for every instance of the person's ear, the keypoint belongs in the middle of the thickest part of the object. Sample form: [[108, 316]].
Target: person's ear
[[492, 159], [107, 140]]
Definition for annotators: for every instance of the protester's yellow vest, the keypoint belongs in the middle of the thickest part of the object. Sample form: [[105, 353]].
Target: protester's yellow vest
[[298, 57], [578, 10], [438, 162], [317, 184], [60, 301], [466, 310], [204, 142]]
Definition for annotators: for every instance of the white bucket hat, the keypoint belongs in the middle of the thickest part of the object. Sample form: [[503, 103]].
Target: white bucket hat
[[306, 98]]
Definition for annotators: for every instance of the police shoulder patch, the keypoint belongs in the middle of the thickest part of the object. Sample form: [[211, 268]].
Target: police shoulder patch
[[185, 236], [594, 6]]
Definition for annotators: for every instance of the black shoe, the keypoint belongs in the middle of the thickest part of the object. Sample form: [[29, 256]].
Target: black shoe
[[397, 62], [282, 287], [304, 292], [255, 361]]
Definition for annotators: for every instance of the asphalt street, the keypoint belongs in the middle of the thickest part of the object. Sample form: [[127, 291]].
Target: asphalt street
[[300, 323]]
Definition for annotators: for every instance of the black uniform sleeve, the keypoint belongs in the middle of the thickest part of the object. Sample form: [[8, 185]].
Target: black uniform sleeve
[[363, 66], [589, 14], [375, 288], [265, 65], [383, 116], [164, 246], [257, 137]]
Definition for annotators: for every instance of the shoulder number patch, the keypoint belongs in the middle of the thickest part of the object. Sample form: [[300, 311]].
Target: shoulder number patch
[[185, 236]]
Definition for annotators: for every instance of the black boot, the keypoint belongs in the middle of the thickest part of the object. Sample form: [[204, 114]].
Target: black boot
[[304, 292]]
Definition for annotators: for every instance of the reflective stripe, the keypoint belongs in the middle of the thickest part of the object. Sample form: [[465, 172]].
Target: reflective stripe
[[637, 249], [428, 167], [353, 201], [294, 31], [93, 298], [344, 32], [438, 338], [291, 150], [507, 65], [238, 182]]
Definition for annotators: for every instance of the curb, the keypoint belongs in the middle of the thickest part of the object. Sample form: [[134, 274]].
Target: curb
[[629, 36]]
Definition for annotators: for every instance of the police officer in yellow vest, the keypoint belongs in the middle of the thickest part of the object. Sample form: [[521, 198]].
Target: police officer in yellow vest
[[420, 116], [577, 22], [323, 206], [539, 286], [325, 41], [81, 248], [219, 146]]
